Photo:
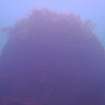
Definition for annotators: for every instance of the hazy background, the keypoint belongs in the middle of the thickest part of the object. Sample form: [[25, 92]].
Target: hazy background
[[12, 10]]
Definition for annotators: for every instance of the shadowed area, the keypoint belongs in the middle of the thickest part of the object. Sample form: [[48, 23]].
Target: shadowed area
[[55, 59]]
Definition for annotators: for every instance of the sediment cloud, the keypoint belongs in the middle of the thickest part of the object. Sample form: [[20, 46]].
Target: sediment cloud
[[55, 58]]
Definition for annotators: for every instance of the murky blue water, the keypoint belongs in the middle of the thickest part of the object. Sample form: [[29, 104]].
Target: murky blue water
[[56, 69]]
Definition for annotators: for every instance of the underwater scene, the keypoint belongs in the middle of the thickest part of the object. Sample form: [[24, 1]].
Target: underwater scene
[[52, 52]]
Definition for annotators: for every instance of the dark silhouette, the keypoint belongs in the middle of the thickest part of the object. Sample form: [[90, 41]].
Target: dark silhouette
[[55, 59]]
